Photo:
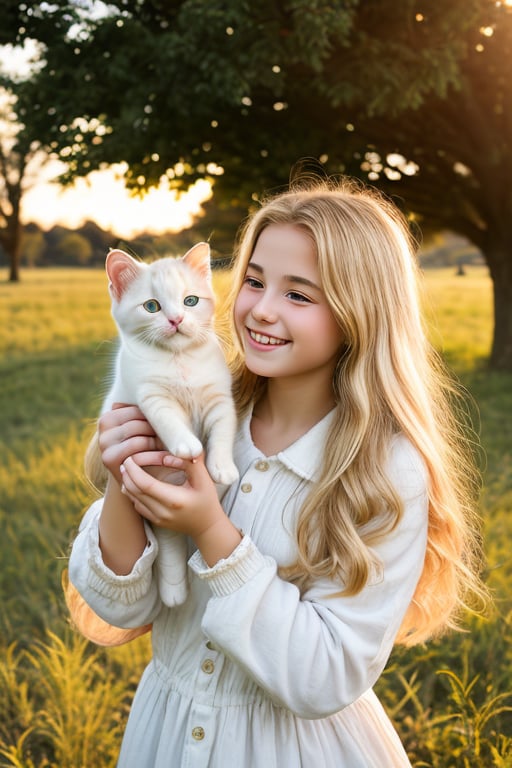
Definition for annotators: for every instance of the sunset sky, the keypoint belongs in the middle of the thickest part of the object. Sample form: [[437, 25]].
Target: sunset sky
[[102, 197]]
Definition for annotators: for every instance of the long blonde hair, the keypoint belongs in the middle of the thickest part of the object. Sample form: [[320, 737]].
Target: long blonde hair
[[388, 380]]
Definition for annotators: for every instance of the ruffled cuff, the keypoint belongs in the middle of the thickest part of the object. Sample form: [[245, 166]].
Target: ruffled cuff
[[231, 573], [126, 589]]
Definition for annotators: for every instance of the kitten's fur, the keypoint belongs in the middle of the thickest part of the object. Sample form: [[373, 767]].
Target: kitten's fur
[[171, 365]]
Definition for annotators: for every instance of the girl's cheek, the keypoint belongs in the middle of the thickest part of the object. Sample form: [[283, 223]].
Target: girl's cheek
[[240, 310]]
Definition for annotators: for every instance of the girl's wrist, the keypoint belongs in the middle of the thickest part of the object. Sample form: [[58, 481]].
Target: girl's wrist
[[122, 536], [218, 541]]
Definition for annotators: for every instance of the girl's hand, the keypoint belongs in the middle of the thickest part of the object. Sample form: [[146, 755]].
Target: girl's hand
[[122, 432], [192, 508]]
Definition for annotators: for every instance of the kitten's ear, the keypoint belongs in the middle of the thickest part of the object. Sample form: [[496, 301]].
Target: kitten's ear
[[198, 257], [122, 269]]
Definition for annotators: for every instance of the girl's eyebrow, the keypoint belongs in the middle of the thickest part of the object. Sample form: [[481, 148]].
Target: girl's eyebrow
[[288, 278]]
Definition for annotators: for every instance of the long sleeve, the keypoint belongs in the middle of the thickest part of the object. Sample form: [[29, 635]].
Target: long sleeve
[[124, 601], [316, 653]]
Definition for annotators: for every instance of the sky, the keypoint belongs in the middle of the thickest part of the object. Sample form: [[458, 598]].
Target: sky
[[102, 197]]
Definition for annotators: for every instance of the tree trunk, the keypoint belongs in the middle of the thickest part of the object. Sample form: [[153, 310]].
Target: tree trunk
[[500, 265], [14, 268], [11, 242]]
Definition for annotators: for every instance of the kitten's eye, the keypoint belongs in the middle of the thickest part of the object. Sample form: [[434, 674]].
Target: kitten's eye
[[152, 306], [190, 301]]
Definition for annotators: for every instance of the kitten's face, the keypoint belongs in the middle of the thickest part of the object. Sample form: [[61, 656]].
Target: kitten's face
[[168, 303]]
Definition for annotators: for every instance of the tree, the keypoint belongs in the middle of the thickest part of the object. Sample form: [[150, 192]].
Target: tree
[[22, 147], [247, 87], [32, 246], [460, 149], [74, 248], [414, 96], [14, 158]]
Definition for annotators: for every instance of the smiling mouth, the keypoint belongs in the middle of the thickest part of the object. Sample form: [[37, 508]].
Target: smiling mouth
[[262, 338]]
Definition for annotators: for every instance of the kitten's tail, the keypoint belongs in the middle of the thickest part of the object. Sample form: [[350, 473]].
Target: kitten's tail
[[172, 566]]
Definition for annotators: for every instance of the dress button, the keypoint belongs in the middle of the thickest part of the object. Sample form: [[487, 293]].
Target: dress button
[[198, 733], [262, 466], [208, 666], [209, 645], [246, 488]]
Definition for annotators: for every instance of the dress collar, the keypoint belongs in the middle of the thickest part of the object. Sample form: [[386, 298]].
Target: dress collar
[[302, 457]]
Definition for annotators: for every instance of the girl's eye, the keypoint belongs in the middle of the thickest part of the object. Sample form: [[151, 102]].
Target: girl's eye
[[190, 301], [152, 306], [294, 296], [253, 282]]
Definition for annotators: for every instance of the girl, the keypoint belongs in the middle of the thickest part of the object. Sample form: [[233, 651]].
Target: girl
[[350, 529]]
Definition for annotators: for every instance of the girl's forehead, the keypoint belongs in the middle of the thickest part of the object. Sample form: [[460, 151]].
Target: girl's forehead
[[282, 243]]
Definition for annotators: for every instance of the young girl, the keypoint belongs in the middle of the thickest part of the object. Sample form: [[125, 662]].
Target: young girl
[[350, 529]]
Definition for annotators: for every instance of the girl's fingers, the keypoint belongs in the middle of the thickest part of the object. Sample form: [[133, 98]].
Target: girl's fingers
[[140, 483], [116, 406], [194, 469], [111, 432], [124, 428], [154, 458], [113, 454], [151, 498]]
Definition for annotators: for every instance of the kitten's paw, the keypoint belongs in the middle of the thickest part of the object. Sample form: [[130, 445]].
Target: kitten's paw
[[222, 472], [186, 448]]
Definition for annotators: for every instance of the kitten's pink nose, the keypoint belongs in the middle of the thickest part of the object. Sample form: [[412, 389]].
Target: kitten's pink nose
[[175, 321]]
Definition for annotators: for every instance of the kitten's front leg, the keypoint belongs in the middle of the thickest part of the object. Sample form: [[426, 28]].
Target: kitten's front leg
[[172, 425], [219, 425]]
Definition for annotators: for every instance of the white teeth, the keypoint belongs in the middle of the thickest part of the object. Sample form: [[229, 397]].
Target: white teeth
[[262, 339]]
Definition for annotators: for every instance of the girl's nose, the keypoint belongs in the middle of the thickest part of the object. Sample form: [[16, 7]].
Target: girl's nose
[[264, 310]]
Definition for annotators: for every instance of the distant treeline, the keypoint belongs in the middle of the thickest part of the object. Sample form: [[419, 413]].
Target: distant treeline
[[88, 245], [449, 250]]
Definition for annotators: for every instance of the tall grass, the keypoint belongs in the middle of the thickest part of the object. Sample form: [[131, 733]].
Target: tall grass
[[64, 702]]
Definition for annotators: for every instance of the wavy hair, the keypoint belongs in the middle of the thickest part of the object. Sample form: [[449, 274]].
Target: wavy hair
[[388, 380]]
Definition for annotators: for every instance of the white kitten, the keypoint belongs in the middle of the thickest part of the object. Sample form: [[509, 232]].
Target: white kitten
[[171, 365]]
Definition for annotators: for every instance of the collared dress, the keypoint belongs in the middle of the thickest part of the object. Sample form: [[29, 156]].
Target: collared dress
[[247, 672]]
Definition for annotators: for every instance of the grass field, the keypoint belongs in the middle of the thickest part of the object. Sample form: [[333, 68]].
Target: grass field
[[64, 702]]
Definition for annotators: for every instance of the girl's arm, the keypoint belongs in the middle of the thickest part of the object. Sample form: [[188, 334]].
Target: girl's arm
[[122, 432], [122, 537], [127, 601], [112, 556]]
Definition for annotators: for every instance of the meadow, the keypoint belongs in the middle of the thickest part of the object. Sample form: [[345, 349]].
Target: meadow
[[64, 701]]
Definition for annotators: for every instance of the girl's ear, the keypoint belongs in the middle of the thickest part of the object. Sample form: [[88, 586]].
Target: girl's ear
[[122, 269], [198, 257]]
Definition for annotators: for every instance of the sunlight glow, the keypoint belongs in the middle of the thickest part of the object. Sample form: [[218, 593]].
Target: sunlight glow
[[20, 60], [102, 197]]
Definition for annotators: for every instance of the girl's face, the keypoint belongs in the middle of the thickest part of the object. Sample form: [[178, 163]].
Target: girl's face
[[281, 313]]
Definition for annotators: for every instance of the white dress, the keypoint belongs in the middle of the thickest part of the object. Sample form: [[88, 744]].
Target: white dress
[[247, 673]]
